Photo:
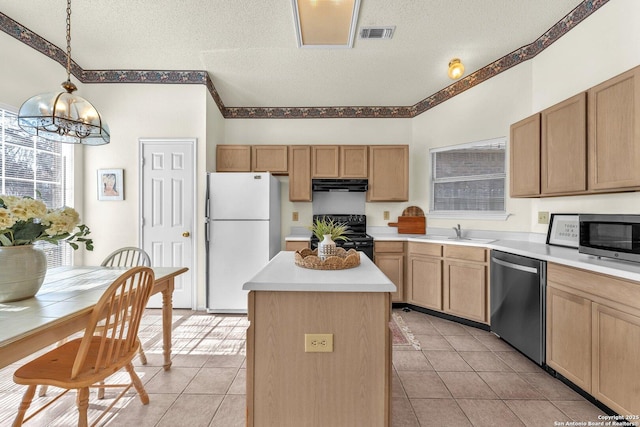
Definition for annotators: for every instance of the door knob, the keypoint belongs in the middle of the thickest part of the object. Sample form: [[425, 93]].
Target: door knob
[[186, 234]]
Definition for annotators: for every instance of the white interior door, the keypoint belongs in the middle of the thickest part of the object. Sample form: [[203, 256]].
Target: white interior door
[[168, 211]]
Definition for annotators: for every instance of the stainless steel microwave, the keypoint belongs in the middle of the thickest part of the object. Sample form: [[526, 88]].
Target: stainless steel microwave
[[611, 236]]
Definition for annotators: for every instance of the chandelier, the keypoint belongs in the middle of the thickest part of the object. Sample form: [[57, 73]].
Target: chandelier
[[63, 116]]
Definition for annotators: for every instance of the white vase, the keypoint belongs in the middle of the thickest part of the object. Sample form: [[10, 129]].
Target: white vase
[[23, 269], [326, 247]]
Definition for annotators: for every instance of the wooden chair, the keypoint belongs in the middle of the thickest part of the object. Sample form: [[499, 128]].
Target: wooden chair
[[86, 361], [128, 256]]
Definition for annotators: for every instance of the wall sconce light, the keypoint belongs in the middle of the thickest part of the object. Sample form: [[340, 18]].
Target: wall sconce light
[[456, 69]]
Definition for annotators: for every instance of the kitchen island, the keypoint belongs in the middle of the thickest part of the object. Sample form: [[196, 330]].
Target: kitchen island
[[341, 377]]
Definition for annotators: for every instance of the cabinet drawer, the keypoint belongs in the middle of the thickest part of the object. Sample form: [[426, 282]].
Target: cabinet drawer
[[394, 247], [468, 253], [430, 249]]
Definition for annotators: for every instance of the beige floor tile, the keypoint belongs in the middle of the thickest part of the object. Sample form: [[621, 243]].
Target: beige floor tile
[[518, 362], [411, 361], [231, 413], [225, 361], [402, 414], [189, 360], [494, 343], [550, 387], [536, 413], [423, 328], [396, 386], [172, 381], [136, 414], [193, 410], [423, 384], [477, 331], [489, 413], [447, 361], [450, 328], [466, 385], [580, 410], [484, 361], [509, 385], [212, 381], [439, 413], [239, 384], [465, 343], [433, 342]]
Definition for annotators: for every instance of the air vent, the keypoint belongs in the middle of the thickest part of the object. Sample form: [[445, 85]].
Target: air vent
[[377, 32]]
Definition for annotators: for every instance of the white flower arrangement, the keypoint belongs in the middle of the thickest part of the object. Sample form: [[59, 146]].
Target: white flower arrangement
[[24, 221]]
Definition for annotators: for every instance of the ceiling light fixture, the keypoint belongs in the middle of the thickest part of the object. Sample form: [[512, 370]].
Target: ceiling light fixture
[[62, 116], [325, 23], [456, 69]]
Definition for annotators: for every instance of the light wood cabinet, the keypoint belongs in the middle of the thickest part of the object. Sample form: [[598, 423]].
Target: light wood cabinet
[[569, 336], [593, 334], [300, 173], [269, 158], [424, 275], [616, 359], [525, 157], [465, 284], [388, 173], [296, 245], [233, 158], [389, 257], [353, 161], [614, 133], [324, 161], [564, 147]]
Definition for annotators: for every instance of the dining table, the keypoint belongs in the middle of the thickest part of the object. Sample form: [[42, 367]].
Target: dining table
[[63, 305]]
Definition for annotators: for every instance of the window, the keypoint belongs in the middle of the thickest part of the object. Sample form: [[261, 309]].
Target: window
[[468, 180], [37, 168]]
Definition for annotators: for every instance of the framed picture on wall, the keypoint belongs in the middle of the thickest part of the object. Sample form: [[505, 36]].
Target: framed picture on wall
[[110, 184], [564, 230]]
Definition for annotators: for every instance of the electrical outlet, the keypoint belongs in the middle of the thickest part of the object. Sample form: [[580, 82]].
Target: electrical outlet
[[294, 216], [543, 217], [386, 214], [318, 343]]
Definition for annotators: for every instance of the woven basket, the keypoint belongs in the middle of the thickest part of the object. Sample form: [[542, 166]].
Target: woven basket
[[308, 258]]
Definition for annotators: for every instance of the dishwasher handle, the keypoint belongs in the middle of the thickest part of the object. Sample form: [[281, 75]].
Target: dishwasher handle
[[514, 266]]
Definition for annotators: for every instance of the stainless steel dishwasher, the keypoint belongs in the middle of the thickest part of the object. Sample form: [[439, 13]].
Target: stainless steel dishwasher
[[518, 301]]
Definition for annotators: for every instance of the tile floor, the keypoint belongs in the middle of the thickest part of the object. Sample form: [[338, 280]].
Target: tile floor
[[453, 375]]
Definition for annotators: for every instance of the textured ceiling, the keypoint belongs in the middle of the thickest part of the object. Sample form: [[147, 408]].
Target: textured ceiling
[[249, 47]]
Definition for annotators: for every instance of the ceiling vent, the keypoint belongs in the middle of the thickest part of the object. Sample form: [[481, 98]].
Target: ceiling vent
[[377, 32]]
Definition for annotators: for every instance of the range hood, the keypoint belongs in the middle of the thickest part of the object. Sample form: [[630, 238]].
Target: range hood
[[344, 185]]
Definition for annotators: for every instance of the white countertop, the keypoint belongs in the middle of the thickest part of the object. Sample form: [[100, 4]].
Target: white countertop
[[282, 274], [557, 254]]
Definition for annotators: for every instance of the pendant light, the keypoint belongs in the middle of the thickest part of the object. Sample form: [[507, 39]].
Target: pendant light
[[63, 116]]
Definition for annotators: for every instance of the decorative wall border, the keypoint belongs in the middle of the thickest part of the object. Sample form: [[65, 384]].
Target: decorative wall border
[[525, 53]]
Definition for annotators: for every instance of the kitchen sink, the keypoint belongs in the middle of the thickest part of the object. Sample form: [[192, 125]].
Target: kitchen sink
[[455, 239]]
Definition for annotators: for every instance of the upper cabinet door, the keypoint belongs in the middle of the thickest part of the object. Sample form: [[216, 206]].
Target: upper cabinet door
[[324, 161], [388, 173], [614, 132], [353, 161], [564, 147], [525, 157], [269, 158], [300, 173], [233, 158]]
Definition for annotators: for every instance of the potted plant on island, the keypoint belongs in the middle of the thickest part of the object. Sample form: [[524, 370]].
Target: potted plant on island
[[328, 231]]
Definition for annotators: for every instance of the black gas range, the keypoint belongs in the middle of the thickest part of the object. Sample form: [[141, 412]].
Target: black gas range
[[357, 236]]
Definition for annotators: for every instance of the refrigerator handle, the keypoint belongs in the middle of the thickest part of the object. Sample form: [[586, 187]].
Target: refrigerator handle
[[207, 199], [207, 228]]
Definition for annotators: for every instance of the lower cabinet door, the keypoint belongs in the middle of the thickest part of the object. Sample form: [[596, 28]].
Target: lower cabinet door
[[616, 359], [569, 336], [392, 265], [465, 290], [425, 282]]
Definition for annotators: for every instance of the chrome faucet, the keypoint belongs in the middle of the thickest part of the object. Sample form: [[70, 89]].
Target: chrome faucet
[[458, 231]]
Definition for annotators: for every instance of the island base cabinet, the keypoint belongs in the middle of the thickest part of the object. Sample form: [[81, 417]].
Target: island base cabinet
[[616, 359], [287, 386], [569, 336]]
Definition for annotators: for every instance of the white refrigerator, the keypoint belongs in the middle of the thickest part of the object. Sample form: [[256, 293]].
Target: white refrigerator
[[242, 234]]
